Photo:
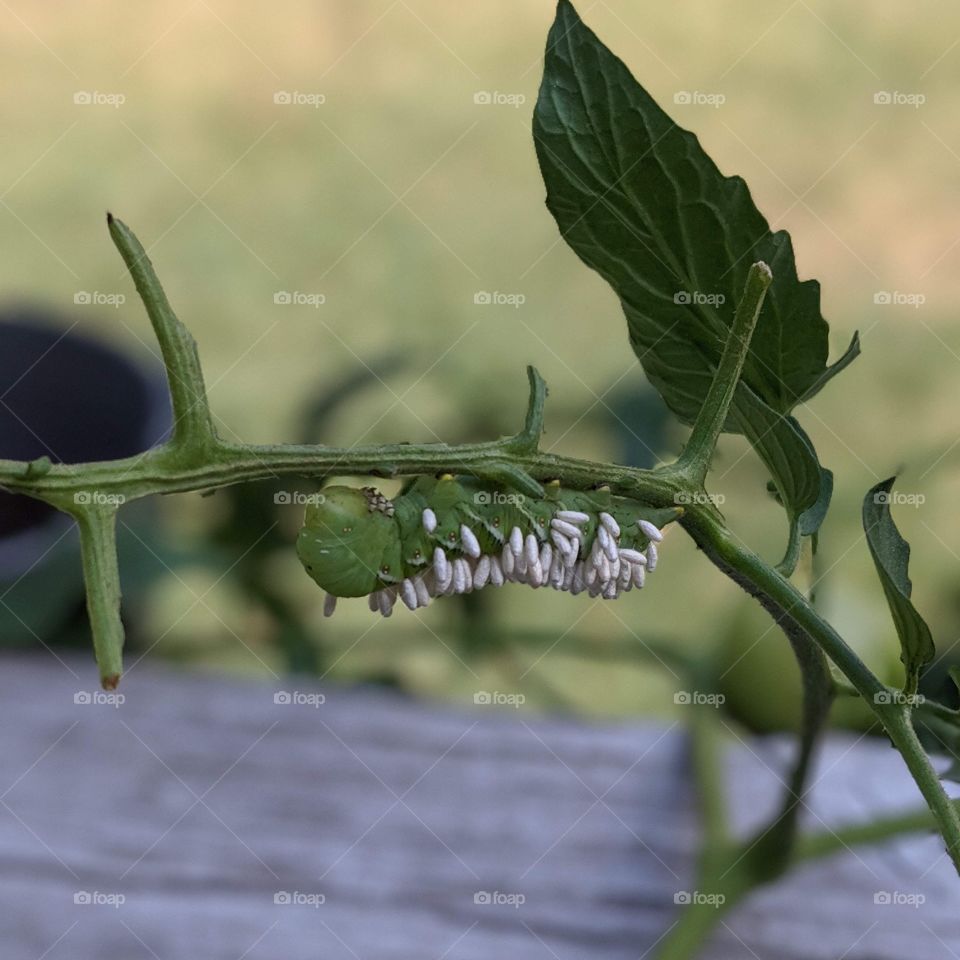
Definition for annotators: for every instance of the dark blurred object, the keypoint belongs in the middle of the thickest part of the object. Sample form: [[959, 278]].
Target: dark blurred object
[[71, 399], [641, 423]]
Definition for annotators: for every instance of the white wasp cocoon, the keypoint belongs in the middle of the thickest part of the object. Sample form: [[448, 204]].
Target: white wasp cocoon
[[611, 524], [516, 541], [649, 530], [607, 544], [423, 594], [562, 543], [564, 527], [440, 565], [531, 549], [652, 556], [507, 560], [408, 595], [429, 520], [496, 572], [573, 516], [462, 578], [632, 556], [385, 602], [329, 604], [469, 540], [482, 574]]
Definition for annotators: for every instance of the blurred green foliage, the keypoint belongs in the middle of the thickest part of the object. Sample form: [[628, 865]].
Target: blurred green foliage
[[398, 200]]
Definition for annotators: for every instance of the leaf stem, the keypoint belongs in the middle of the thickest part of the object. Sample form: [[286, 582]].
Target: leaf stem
[[528, 440], [783, 601], [193, 424], [698, 452], [101, 574]]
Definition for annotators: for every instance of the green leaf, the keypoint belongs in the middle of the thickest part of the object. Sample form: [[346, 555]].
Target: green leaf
[[640, 202], [891, 557]]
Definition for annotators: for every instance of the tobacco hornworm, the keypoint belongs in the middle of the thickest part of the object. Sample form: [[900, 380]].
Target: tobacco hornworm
[[448, 535]]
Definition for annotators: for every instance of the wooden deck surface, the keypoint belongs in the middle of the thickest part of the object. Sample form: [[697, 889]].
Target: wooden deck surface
[[372, 826]]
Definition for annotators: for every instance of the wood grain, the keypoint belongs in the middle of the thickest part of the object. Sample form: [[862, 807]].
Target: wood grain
[[199, 799]]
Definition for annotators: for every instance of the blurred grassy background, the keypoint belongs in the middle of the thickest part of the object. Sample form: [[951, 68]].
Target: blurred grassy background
[[399, 198]]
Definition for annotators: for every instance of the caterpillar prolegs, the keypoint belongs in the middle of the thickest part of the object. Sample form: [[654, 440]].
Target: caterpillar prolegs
[[448, 535]]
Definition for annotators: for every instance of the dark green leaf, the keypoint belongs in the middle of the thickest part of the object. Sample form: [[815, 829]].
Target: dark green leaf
[[640, 202], [891, 557]]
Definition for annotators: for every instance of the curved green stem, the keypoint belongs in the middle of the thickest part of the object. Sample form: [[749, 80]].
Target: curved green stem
[[788, 605], [695, 460]]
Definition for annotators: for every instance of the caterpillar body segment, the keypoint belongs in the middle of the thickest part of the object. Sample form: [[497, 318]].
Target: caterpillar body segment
[[444, 535]]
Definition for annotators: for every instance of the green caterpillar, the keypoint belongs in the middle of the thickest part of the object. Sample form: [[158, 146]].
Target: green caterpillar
[[449, 535]]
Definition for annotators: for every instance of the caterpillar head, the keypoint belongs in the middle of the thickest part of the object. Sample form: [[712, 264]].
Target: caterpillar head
[[346, 538]]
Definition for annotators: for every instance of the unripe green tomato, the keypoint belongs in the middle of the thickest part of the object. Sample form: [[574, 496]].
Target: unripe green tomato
[[760, 678]]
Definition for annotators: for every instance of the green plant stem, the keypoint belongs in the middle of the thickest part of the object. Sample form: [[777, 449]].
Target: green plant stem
[[698, 452], [165, 471], [783, 601], [196, 459], [825, 843], [193, 424], [733, 868], [98, 551], [697, 922], [706, 757]]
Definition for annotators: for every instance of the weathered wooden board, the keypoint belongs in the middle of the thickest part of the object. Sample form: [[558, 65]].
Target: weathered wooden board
[[201, 800]]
